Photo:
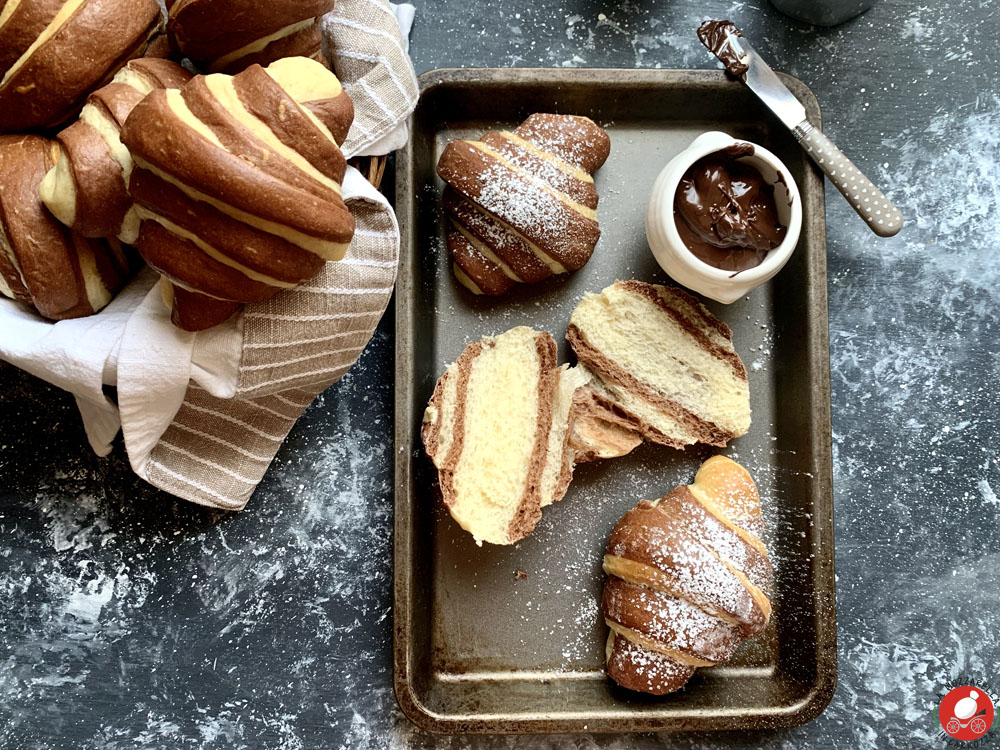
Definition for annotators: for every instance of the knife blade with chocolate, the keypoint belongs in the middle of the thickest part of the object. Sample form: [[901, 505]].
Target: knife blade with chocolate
[[725, 41]]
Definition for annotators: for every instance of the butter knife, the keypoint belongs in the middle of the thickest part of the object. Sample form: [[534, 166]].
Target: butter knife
[[726, 42]]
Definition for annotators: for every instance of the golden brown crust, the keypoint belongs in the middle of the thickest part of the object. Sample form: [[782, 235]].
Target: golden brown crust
[[206, 30], [85, 52]]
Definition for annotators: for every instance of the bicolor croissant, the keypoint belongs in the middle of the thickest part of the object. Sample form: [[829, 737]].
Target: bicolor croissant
[[43, 263], [237, 183], [688, 580], [53, 53], [227, 36], [497, 430], [522, 204], [87, 189]]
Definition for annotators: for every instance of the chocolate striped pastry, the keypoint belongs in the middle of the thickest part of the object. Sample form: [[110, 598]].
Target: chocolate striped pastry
[[227, 36], [522, 205], [662, 363], [599, 429], [60, 272], [87, 188], [688, 580], [237, 183], [53, 53], [497, 429]]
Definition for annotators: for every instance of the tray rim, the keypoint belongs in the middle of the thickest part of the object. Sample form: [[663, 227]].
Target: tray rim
[[823, 687]]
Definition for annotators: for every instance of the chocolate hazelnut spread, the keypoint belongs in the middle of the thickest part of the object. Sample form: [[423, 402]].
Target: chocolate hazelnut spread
[[713, 34], [725, 211]]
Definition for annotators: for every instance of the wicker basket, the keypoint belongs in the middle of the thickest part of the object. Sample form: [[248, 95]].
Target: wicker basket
[[372, 167]]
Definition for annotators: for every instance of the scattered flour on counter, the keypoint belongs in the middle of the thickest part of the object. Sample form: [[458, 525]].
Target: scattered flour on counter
[[914, 28], [86, 603], [987, 492]]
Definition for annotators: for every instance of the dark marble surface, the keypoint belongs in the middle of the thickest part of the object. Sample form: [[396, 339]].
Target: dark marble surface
[[129, 619]]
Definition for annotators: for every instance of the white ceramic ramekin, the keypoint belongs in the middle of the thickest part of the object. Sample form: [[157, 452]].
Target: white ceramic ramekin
[[671, 252]]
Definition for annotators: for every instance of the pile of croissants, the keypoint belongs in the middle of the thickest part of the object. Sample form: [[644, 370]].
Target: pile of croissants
[[227, 183]]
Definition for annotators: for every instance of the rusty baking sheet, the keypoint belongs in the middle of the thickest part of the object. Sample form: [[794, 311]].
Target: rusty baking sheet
[[510, 639]]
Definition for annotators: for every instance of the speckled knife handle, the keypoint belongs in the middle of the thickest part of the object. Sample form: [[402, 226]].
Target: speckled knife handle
[[879, 214]]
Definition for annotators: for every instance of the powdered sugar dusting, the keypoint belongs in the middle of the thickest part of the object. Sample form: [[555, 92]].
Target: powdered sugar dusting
[[522, 204]]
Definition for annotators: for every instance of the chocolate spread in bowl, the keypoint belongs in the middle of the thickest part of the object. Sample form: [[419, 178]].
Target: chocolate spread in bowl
[[725, 211]]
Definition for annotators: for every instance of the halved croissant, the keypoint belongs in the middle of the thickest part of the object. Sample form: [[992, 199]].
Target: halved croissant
[[688, 580]]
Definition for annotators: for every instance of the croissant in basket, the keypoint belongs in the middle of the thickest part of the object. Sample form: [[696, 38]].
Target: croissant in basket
[[237, 183], [688, 580], [53, 53], [61, 273], [87, 189], [228, 36]]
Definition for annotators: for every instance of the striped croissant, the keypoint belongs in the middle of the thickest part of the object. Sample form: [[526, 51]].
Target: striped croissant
[[237, 183], [688, 578], [53, 53], [522, 204], [87, 188], [227, 36], [42, 263]]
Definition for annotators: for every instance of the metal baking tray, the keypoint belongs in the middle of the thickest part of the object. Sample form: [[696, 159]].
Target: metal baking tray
[[510, 639]]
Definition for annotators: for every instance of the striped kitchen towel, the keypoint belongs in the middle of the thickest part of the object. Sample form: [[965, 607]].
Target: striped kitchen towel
[[204, 414]]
